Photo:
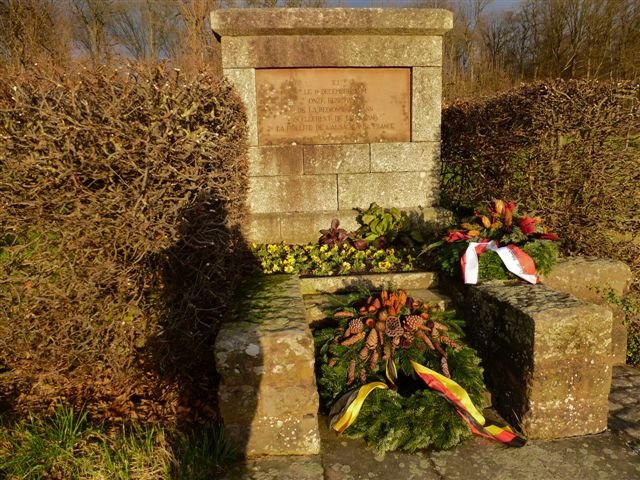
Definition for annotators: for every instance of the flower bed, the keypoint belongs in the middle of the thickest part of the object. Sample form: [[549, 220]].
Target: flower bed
[[321, 260]]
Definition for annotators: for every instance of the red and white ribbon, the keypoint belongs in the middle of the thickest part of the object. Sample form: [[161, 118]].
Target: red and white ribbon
[[514, 259]]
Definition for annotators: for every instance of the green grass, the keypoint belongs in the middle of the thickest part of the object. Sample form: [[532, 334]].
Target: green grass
[[68, 446]]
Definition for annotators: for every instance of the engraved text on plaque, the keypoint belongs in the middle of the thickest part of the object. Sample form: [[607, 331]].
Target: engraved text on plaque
[[333, 105]]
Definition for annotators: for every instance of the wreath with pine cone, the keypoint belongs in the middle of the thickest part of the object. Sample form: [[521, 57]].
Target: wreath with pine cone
[[371, 334]]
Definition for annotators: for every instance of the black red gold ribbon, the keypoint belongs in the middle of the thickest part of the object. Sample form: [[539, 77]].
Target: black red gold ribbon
[[459, 399], [347, 408]]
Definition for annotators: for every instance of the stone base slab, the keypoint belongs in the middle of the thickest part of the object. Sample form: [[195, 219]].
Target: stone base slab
[[304, 227]]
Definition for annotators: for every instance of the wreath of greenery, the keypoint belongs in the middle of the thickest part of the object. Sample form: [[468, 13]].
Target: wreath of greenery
[[413, 417], [498, 221]]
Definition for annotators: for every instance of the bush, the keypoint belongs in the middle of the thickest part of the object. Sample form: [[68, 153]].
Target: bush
[[122, 195], [566, 151]]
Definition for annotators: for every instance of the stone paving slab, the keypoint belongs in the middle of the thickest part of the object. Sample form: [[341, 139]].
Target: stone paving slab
[[278, 468], [594, 457], [624, 404]]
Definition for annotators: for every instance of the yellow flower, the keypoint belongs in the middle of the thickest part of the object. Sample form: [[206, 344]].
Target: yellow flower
[[288, 269], [384, 265]]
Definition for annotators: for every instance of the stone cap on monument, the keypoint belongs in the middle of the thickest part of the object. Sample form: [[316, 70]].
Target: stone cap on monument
[[331, 21]]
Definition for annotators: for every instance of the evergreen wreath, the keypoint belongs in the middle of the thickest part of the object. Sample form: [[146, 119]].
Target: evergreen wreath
[[498, 221], [370, 329]]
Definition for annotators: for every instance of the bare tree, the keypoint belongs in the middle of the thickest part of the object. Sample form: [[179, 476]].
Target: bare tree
[[146, 29], [33, 31], [91, 21]]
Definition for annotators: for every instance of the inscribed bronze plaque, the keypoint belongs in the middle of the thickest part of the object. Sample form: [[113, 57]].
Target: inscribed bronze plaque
[[333, 105]]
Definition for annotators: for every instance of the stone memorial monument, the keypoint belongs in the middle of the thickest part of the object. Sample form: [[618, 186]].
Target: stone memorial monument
[[343, 110]]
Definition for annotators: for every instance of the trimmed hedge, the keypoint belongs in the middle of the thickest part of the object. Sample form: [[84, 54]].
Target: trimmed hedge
[[568, 151], [121, 194]]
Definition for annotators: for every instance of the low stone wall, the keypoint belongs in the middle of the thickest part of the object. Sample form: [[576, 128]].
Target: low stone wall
[[268, 397], [546, 356]]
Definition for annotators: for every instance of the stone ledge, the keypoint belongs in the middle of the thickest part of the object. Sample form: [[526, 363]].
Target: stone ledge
[[331, 21], [589, 279], [268, 397], [317, 305], [533, 339], [376, 281]]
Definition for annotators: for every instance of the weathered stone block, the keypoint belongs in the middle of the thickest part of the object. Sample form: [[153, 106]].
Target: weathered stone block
[[590, 279], [333, 21], [265, 357], [400, 190], [291, 194], [275, 160], [282, 435], [319, 159], [239, 404], [405, 157], [244, 81], [570, 382], [618, 338], [559, 420], [426, 103], [275, 51], [263, 228], [546, 356]]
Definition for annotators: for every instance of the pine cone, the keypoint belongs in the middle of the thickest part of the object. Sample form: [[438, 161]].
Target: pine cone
[[352, 340], [363, 376], [332, 362], [440, 326], [355, 326], [364, 353], [445, 367], [449, 342], [426, 340], [394, 327], [372, 339], [373, 361], [412, 323], [406, 341], [351, 372]]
